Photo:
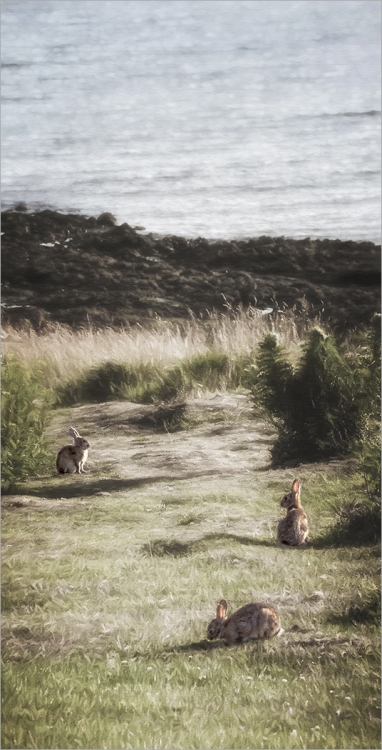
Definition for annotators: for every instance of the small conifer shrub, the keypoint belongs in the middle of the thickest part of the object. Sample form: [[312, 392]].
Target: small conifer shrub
[[319, 408], [368, 447]]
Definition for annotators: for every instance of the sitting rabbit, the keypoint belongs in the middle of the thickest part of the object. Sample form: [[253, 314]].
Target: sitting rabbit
[[293, 530], [71, 458]]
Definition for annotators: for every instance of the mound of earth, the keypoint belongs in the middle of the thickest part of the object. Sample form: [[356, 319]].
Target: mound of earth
[[79, 270]]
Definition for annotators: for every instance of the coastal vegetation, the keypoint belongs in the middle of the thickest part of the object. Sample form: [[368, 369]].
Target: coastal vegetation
[[325, 405], [322, 395], [197, 427], [62, 367], [25, 406]]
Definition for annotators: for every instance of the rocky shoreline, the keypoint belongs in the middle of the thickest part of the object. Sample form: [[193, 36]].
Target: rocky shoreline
[[79, 271]]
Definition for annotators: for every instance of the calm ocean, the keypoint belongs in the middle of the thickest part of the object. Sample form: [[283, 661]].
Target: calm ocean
[[218, 118]]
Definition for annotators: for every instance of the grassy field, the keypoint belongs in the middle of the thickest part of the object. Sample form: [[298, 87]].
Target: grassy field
[[65, 354], [110, 580]]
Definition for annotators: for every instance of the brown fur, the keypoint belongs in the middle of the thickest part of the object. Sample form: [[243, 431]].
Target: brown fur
[[254, 621], [71, 458], [293, 530]]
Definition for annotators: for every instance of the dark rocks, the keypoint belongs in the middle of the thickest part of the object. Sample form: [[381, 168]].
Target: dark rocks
[[78, 270], [107, 220]]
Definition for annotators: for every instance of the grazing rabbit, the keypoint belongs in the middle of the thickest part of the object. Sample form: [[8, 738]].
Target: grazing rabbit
[[293, 530], [254, 621], [71, 458]]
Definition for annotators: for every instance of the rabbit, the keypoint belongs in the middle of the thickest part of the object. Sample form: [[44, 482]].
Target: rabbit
[[254, 621], [293, 530], [71, 458]]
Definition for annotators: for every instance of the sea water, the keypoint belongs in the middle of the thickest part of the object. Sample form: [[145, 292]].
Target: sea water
[[214, 118]]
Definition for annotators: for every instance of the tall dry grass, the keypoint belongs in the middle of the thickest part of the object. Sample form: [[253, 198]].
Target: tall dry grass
[[66, 353]]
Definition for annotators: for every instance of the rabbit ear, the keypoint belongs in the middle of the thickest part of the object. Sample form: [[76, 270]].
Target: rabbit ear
[[73, 432], [221, 609], [296, 487], [219, 612]]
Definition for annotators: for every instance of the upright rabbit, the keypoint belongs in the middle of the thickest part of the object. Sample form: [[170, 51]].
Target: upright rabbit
[[71, 458], [252, 622], [293, 530]]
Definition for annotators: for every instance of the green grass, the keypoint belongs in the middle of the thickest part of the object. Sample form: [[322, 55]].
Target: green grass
[[148, 383], [25, 407], [220, 698], [107, 598]]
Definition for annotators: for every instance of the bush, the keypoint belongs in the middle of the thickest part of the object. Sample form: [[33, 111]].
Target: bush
[[368, 451], [107, 382], [24, 415], [320, 408], [314, 407], [368, 447], [118, 381], [272, 377]]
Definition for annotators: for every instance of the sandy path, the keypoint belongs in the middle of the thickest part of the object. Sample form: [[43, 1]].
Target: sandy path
[[221, 439]]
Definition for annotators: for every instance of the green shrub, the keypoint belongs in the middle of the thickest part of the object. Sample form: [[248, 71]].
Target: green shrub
[[369, 362], [24, 414], [368, 451], [107, 382], [209, 369], [319, 408], [271, 379], [146, 383], [368, 447], [111, 381], [308, 405], [216, 371]]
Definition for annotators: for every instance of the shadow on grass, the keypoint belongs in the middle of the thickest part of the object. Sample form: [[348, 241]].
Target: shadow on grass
[[361, 610], [218, 645], [339, 536], [357, 524], [83, 489], [289, 652], [174, 548], [69, 489], [199, 646]]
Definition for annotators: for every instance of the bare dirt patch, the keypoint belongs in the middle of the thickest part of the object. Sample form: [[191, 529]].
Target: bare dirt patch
[[220, 438]]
